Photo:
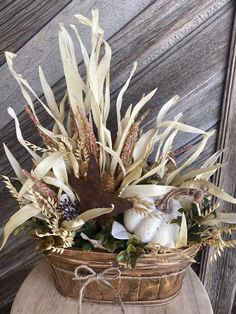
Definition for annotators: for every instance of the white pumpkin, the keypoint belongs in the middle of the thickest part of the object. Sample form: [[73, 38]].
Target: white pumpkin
[[148, 227], [132, 218], [154, 225], [167, 235]]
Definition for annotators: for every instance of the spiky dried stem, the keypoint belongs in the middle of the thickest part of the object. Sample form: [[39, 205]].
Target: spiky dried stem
[[45, 138], [42, 187], [13, 190]]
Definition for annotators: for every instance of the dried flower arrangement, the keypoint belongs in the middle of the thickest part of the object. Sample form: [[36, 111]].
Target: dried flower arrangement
[[91, 190]]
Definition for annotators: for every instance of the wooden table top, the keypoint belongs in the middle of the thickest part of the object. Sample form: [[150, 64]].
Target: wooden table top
[[39, 296]]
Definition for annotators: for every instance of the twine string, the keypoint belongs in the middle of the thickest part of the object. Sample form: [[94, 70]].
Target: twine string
[[104, 277], [101, 277], [121, 277]]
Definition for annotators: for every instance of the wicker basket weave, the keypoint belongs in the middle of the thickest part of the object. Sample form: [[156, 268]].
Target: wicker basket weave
[[155, 279]]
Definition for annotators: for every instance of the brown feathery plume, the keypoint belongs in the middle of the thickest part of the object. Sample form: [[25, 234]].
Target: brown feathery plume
[[128, 147], [131, 139], [45, 138], [143, 116], [42, 187], [73, 126], [92, 145], [180, 151]]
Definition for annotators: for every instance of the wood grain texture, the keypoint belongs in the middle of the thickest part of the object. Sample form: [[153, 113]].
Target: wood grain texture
[[219, 277], [157, 289], [22, 19], [43, 48], [165, 37], [38, 295]]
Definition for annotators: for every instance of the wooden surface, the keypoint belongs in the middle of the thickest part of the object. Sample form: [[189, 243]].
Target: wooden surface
[[181, 48], [39, 296], [22, 19], [220, 277]]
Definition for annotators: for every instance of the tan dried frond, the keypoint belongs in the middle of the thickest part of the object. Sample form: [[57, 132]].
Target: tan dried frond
[[45, 138], [230, 243], [82, 156], [67, 142], [209, 210], [157, 249], [49, 210], [147, 204], [216, 253], [47, 206], [42, 187], [141, 206], [13, 190], [62, 148], [37, 148], [78, 153], [140, 210], [228, 229], [108, 182]]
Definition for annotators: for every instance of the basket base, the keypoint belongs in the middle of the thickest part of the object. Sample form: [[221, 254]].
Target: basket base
[[143, 303]]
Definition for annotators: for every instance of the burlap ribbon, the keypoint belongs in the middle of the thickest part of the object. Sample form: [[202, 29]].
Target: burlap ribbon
[[101, 277]]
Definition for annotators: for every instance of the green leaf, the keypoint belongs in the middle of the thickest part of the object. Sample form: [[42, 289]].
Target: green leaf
[[122, 256], [131, 248], [87, 246]]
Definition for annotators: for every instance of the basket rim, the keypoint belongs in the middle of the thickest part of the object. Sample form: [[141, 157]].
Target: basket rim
[[72, 252]]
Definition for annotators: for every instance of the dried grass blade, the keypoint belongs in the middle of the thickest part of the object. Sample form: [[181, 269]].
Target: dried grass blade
[[14, 163], [119, 100], [191, 159], [20, 217]]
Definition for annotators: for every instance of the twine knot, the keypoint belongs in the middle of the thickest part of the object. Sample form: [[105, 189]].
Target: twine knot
[[102, 277]]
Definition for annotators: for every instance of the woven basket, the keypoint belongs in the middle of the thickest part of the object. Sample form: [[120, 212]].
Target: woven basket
[[155, 279]]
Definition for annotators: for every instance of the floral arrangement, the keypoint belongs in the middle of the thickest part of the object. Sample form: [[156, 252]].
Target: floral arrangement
[[94, 190]]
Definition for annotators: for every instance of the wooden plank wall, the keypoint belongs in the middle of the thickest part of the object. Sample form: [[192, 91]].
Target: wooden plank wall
[[181, 48], [219, 278]]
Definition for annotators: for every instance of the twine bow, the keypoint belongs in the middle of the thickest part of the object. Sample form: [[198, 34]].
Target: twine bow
[[101, 277]]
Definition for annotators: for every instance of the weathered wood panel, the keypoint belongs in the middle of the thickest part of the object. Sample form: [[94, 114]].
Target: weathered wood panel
[[219, 276], [181, 47], [43, 48], [22, 19]]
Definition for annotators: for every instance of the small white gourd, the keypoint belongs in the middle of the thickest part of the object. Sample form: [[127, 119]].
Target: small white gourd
[[148, 227], [154, 225], [132, 219], [167, 235]]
